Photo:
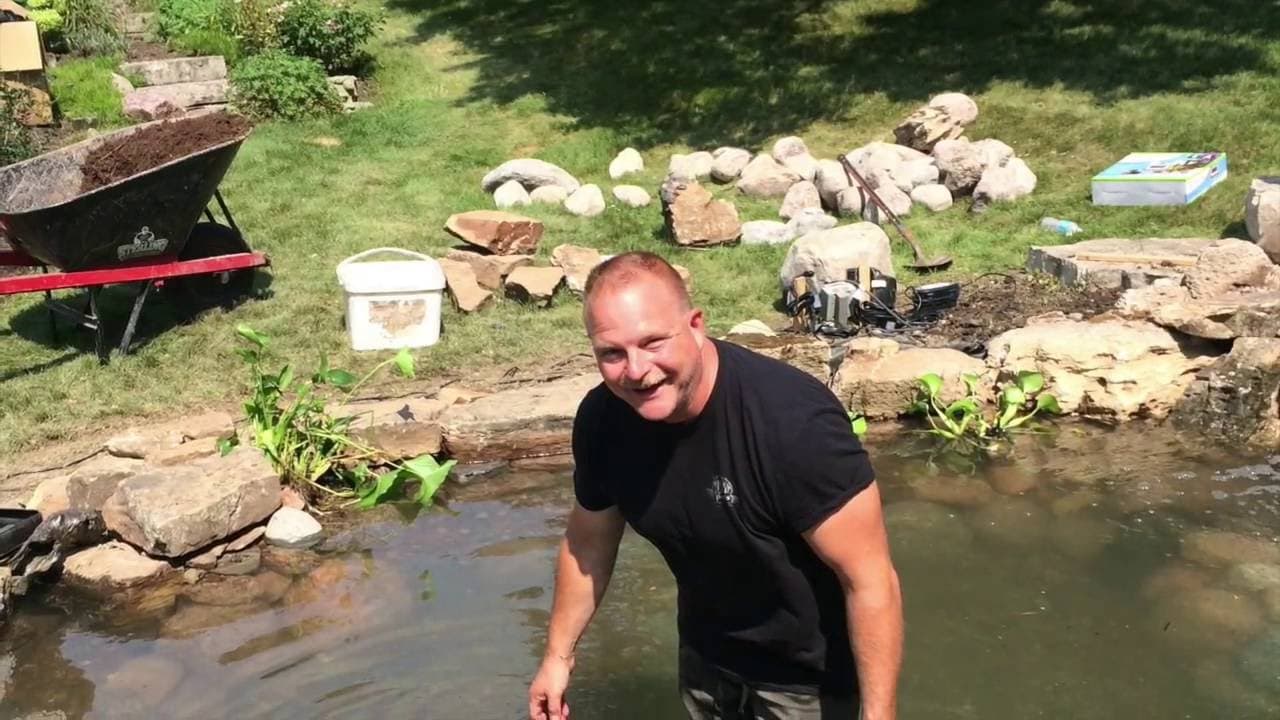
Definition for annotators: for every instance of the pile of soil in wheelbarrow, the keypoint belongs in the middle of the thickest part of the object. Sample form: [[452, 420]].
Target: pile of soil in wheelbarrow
[[992, 304], [146, 149]]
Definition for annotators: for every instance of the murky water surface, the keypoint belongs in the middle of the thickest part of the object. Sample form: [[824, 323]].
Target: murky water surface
[[1098, 575]]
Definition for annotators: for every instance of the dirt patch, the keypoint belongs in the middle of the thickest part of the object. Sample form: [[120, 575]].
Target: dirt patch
[[995, 303], [134, 153]]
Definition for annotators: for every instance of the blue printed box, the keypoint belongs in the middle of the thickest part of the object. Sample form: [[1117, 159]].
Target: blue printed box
[[1159, 178]]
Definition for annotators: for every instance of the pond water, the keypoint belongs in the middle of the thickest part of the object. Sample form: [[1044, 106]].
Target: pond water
[[1100, 574]]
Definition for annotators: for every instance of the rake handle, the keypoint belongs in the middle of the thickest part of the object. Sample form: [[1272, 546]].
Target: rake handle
[[854, 175]]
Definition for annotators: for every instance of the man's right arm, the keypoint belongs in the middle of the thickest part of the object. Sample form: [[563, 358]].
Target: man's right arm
[[583, 569]]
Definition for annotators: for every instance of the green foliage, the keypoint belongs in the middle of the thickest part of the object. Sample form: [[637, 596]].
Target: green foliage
[[964, 420], [858, 424], [278, 85], [176, 18], [253, 23], [312, 448], [83, 90], [208, 42], [16, 141], [330, 33], [49, 18], [90, 28]]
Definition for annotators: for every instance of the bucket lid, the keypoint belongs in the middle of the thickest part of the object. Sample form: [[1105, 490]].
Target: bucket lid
[[420, 274]]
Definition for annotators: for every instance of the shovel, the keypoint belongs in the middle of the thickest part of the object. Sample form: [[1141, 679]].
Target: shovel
[[920, 264]]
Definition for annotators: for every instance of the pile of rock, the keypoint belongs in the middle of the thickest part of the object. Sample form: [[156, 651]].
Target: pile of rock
[[158, 504], [525, 181]]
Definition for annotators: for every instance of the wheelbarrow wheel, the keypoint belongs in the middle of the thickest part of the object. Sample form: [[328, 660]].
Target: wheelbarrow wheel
[[198, 292]]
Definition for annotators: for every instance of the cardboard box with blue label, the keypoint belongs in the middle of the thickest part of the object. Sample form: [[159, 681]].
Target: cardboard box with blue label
[[1159, 178]]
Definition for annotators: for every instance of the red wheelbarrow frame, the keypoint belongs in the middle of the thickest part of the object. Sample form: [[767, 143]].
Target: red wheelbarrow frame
[[147, 274]]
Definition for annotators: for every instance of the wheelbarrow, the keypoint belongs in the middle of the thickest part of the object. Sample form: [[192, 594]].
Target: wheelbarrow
[[143, 230]]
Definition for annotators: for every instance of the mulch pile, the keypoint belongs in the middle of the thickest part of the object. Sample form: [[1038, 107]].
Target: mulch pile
[[146, 149], [994, 303]]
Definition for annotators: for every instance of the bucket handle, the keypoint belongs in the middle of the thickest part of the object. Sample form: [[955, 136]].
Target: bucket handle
[[371, 251]]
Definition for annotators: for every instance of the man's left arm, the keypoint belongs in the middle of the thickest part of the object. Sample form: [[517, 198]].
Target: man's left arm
[[853, 541]]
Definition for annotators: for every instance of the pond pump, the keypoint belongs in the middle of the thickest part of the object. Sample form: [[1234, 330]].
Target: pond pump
[[865, 298]]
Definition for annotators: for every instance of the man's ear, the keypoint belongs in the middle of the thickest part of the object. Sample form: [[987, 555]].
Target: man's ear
[[698, 324]]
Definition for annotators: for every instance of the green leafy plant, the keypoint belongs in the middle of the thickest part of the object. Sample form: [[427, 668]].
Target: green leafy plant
[[314, 448], [48, 15], [278, 85], [858, 424], [330, 33], [16, 140], [84, 90], [208, 42], [89, 27], [255, 24], [965, 421], [175, 18]]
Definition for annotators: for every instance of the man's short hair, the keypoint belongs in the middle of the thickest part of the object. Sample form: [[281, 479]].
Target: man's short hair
[[622, 270]]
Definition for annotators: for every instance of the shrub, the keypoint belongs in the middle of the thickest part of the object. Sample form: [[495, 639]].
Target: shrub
[[175, 18], [89, 28], [253, 23], [16, 141], [48, 15], [332, 34], [84, 91], [276, 84]]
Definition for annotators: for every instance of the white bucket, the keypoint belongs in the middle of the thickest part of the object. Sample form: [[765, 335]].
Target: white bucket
[[392, 304]]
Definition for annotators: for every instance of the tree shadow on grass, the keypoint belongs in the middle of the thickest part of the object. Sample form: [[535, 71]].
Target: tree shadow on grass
[[742, 71]]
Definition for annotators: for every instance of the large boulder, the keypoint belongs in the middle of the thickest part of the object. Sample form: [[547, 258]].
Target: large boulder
[[728, 163], [959, 106], [112, 567], [497, 231], [178, 510], [960, 164], [516, 423], [883, 386], [90, 485], [765, 177], [177, 70], [628, 161], [1234, 400], [1227, 265], [586, 201], [693, 217], [830, 254], [1262, 215], [530, 173], [800, 197], [1228, 316], [1006, 183], [830, 179], [792, 153], [1110, 369]]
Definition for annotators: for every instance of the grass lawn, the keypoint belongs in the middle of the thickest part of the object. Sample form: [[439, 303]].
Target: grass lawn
[[467, 84]]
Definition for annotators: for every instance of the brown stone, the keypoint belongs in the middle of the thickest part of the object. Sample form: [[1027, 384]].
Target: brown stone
[[1176, 579], [291, 498], [808, 354], [1218, 548], [517, 423], [111, 567], [40, 109], [961, 492], [403, 441], [926, 127], [1234, 400], [50, 496], [696, 219], [228, 590], [884, 388], [453, 395], [138, 443], [577, 263], [91, 484], [247, 538], [465, 290], [490, 270], [185, 453], [534, 285], [499, 232], [1012, 478], [245, 562], [205, 425]]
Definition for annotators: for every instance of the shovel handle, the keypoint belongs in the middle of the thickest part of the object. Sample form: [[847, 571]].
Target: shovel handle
[[853, 175]]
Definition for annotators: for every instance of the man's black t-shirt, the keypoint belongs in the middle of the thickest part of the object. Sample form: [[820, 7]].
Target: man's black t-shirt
[[725, 498]]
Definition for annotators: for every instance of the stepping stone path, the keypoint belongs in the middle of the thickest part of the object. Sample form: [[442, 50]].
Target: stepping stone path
[[175, 85]]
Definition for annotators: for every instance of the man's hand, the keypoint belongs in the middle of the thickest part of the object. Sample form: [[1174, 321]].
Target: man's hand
[[546, 694]]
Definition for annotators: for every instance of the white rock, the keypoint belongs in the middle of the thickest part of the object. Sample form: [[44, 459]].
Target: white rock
[[830, 179], [960, 164], [829, 254], [790, 146], [549, 195], [849, 202], [700, 164], [511, 194], [896, 200], [765, 177], [934, 197], [531, 173], [911, 175], [1007, 183], [1262, 215], [766, 232], [729, 163], [801, 196], [752, 327], [992, 153], [959, 106], [679, 168], [628, 161], [586, 201], [810, 220], [631, 195], [293, 529]]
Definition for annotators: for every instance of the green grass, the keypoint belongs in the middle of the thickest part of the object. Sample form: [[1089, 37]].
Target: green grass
[[83, 90], [467, 84]]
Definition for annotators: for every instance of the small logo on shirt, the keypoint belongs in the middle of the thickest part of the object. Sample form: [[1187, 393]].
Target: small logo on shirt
[[722, 491]]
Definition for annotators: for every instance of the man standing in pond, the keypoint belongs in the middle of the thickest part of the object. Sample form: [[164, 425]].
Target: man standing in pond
[[746, 476]]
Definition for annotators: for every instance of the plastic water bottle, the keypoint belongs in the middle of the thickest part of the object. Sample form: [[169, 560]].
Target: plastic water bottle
[[1062, 227]]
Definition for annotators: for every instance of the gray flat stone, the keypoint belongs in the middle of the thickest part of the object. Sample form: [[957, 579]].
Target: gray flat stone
[[1076, 264], [180, 95], [177, 70]]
